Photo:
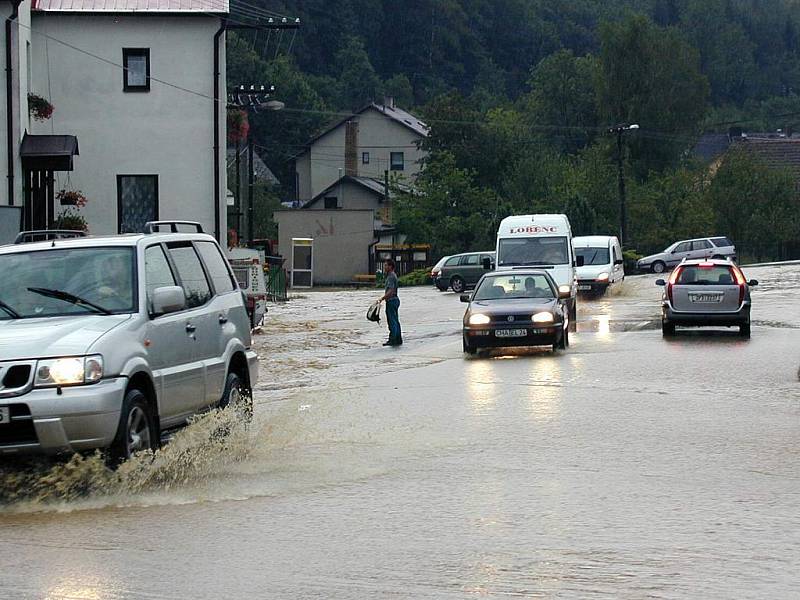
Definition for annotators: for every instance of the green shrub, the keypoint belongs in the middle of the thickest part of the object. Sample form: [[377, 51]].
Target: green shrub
[[418, 277], [630, 258]]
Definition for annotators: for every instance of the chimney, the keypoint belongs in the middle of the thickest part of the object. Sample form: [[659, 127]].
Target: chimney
[[388, 102]]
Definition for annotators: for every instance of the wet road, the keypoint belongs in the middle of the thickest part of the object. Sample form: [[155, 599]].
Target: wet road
[[627, 467]]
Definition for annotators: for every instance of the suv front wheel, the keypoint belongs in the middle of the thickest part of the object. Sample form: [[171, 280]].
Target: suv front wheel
[[238, 396], [137, 429], [458, 284]]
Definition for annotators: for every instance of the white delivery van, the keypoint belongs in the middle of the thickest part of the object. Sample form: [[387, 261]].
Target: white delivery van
[[542, 241], [602, 263]]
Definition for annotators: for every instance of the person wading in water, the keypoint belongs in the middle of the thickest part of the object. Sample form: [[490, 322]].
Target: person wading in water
[[392, 305]]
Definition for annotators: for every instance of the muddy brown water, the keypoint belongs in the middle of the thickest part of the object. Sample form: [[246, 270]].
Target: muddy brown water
[[627, 467]]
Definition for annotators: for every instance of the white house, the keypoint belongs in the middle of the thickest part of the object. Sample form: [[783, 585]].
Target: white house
[[138, 90], [376, 139]]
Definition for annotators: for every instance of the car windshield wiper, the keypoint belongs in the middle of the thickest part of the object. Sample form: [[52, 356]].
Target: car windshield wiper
[[11, 312], [67, 297]]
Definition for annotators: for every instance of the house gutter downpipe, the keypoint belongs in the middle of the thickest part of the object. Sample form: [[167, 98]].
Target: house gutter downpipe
[[10, 101], [217, 176]]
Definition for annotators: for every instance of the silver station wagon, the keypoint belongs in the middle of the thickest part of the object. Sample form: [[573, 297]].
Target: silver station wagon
[[107, 341], [706, 292]]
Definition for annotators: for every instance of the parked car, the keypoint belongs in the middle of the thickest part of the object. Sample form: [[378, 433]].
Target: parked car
[[437, 268], [516, 308], [463, 271], [602, 263], [706, 292], [710, 247], [248, 268], [107, 341]]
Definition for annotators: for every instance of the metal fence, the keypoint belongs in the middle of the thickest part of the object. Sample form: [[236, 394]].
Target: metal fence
[[277, 288]]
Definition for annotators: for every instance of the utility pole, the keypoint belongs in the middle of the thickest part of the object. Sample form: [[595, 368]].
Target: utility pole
[[250, 178], [623, 209], [238, 188]]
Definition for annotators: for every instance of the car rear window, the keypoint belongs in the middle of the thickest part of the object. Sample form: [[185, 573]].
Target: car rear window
[[452, 262], [721, 241], [702, 275]]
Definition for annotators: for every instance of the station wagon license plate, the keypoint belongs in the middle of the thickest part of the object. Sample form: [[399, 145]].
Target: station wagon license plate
[[511, 333], [705, 297], [5, 415]]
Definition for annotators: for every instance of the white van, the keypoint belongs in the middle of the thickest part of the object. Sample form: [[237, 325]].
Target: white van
[[543, 241], [602, 263]]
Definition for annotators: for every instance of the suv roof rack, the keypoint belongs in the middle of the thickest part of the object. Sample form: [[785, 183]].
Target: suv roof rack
[[42, 235], [155, 226]]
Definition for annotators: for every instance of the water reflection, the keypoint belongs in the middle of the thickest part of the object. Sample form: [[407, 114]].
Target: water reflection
[[81, 587], [481, 388], [545, 388]]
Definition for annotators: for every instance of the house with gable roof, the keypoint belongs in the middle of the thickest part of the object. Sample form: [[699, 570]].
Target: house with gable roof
[[138, 124]]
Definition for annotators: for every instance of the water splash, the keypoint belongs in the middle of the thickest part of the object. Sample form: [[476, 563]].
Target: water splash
[[196, 453]]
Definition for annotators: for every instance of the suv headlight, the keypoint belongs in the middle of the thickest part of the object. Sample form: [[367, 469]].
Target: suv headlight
[[71, 370]]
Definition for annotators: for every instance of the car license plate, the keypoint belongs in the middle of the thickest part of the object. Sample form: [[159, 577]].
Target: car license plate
[[584, 288], [5, 415], [511, 333], [705, 297]]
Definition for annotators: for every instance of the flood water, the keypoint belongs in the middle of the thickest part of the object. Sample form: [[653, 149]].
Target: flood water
[[626, 467]]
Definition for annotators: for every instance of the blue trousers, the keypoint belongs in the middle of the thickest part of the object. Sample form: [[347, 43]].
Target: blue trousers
[[392, 306]]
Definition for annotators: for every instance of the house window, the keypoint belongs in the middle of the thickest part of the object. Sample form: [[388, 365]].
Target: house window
[[137, 202], [398, 161], [331, 202], [365, 158], [136, 72]]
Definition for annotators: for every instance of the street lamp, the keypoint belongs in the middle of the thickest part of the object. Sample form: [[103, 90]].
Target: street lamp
[[623, 213]]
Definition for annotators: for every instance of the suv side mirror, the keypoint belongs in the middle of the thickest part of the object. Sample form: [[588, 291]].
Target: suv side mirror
[[661, 282], [487, 264], [465, 297], [752, 282], [580, 261], [619, 261], [168, 299]]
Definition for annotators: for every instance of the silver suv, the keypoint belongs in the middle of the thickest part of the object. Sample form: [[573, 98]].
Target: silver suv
[[710, 247], [706, 292], [107, 341]]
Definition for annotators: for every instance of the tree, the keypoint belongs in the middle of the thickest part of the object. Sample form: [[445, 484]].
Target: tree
[[448, 209], [651, 76], [357, 81], [561, 103], [755, 205]]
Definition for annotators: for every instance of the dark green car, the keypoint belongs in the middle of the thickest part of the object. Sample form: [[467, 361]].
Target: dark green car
[[463, 271]]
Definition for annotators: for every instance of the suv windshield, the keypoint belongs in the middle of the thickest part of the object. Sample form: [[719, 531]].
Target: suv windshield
[[498, 287], [593, 256], [700, 275], [58, 282], [529, 251]]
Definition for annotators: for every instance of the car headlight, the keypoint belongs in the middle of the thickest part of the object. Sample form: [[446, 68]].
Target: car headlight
[[602, 277], [479, 319], [73, 370], [543, 317]]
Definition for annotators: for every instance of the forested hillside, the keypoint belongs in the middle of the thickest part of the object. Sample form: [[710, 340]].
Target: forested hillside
[[519, 94]]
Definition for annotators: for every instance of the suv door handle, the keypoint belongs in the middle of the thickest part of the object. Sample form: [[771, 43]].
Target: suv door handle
[[223, 319], [190, 328]]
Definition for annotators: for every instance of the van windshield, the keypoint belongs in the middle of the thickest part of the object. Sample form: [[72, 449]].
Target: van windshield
[[593, 256], [533, 251], [61, 282]]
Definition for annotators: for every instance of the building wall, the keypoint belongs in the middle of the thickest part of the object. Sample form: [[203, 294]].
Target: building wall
[[324, 163], [20, 37], [342, 241], [352, 196], [166, 132]]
